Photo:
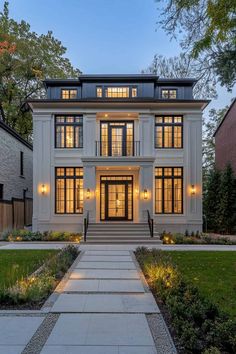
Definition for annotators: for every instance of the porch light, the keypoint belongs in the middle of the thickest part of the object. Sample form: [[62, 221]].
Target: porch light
[[193, 189], [88, 193], [43, 189], [145, 194]]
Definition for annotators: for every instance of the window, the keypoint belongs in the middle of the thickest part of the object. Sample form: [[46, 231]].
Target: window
[[169, 190], [169, 132], [117, 92], [69, 190], [169, 94], [21, 163], [69, 131], [68, 94], [1, 191], [134, 92], [99, 92]]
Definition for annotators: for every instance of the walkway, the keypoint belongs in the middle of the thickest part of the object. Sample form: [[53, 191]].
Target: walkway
[[106, 307]]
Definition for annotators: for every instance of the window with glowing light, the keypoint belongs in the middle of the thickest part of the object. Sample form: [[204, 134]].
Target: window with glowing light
[[68, 94], [169, 94], [168, 190], [69, 190], [169, 132], [69, 132]]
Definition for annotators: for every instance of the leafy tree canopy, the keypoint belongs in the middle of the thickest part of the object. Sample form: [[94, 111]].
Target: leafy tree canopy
[[207, 31], [185, 66], [27, 58]]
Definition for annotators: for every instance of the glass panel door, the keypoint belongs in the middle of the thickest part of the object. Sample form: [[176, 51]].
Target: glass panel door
[[117, 141], [116, 201]]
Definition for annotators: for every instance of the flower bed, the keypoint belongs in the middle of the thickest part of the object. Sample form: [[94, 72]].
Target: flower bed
[[25, 235], [197, 238], [197, 324], [33, 290]]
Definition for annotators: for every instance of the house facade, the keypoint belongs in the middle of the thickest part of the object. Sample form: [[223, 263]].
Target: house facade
[[118, 147], [16, 161], [225, 139]]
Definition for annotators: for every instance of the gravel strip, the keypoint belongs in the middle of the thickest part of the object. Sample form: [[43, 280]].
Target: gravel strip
[[162, 338], [40, 337]]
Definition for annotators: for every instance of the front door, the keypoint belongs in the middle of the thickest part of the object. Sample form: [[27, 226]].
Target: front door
[[116, 198]]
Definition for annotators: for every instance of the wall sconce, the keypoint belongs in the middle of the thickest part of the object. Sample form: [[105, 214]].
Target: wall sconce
[[145, 194], [193, 189], [88, 193], [43, 189]]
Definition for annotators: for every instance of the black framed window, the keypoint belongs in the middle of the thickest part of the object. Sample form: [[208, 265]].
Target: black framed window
[[68, 94], [169, 132], [69, 190], [117, 91], [21, 163], [68, 131], [168, 190], [1, 191], [169, 94]]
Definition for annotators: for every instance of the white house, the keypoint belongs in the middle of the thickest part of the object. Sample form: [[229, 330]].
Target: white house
[[117, 146]]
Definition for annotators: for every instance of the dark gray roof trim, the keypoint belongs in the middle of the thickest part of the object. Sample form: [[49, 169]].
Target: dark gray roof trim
[[12, 132], [118, 78], [119, 100], [225, 116]]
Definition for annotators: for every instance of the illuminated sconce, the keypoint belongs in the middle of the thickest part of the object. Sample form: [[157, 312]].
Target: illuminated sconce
[[43, 189], [145, 194], [137, 192], [88, 193], [193, 189]]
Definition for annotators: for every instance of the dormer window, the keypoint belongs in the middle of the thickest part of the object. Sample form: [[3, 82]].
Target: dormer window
[[116, 92], [68, 94], [169, 94]]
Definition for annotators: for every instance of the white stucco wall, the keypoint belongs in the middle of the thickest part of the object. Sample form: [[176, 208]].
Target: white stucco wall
[[46, 158]]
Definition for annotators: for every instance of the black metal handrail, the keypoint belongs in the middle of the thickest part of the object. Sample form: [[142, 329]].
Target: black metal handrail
[[150, 224], [86, 224], [107, 148]]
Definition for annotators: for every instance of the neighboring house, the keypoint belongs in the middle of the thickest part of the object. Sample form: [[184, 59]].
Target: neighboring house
[[117, 146], [225, 139], [16, 164]]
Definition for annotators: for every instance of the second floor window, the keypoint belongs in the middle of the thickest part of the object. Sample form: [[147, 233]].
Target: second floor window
[[21, 163], [169, 132], [68, 94], [69, 132], [169, 94]]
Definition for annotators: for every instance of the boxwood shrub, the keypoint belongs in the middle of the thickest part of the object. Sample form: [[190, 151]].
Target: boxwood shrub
[[25, 235]]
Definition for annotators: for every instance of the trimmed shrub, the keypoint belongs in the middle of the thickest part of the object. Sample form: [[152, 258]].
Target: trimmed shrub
[[25, 235]]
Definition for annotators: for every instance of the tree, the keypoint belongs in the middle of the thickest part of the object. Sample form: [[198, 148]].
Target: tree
[[211, 198], [185, 66], [226, 208], [27, 58], [210, 124], [207, 31]]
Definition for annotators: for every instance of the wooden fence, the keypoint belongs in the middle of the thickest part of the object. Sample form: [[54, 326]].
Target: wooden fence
[[15, 213]]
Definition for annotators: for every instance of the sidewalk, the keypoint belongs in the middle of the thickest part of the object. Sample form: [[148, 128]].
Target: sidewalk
[[105, 307]]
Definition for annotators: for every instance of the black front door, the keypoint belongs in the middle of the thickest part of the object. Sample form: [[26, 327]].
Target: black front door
[[116, 200]]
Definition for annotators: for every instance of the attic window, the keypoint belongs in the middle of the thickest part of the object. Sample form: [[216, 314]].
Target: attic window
[[169, 94], [117, 92], [68, 94]]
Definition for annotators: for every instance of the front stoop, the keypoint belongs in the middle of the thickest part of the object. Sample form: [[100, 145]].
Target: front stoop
[[121, 233]]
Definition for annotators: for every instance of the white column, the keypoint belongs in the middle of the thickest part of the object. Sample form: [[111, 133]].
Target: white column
[[89, 134], [90, 183], [146, 183], [146, 134]]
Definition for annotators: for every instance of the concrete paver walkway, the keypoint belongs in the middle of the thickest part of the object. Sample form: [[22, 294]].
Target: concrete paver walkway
[[103, 308]]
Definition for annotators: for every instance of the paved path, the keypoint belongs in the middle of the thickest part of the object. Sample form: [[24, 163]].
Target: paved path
[[116, 247], [104, 307]]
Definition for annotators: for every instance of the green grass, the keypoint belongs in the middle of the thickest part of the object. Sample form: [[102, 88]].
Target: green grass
[[214, 273], [16, 264]]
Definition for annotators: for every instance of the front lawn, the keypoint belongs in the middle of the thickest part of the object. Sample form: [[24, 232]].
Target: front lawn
[[17, 264], [214, 273]]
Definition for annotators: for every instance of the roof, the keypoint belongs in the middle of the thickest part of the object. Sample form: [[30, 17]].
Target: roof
[[225, 116], [119, 78], [12, 132]]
